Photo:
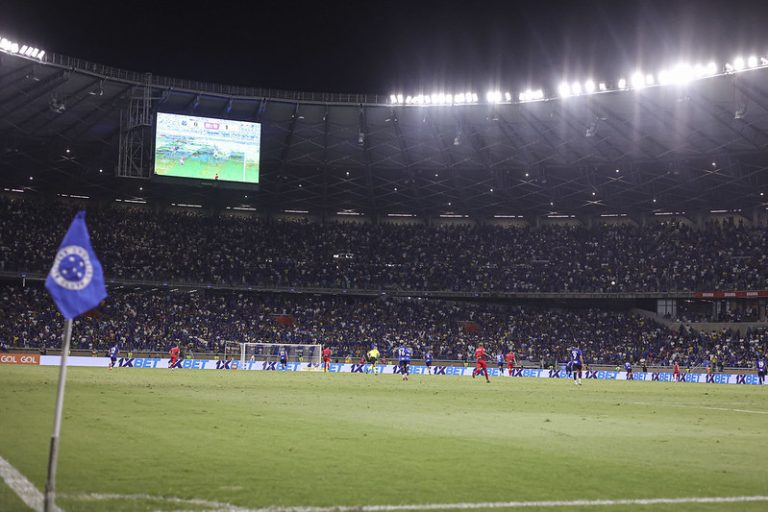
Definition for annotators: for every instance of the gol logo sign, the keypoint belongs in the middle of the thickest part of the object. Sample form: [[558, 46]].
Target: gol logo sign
[[19, 359]]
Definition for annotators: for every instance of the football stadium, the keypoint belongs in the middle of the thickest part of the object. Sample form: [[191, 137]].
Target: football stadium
[[547, 293]]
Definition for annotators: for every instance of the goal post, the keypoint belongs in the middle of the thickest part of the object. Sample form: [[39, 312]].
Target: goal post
[[270, 352]]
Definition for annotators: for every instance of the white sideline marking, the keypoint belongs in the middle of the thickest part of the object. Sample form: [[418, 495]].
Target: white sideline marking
[[217, 505], [726, 409], [225, 507], [746, 411], [23, 488]]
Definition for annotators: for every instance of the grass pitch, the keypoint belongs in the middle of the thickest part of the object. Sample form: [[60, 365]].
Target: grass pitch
[[258, 439]]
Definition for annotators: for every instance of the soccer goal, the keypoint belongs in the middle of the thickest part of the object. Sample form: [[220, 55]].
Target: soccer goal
[[270, 352]]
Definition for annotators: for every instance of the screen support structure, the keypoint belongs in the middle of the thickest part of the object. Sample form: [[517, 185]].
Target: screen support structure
[[135, 153]]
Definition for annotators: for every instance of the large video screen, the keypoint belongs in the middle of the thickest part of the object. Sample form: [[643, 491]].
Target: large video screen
[[207, 149]]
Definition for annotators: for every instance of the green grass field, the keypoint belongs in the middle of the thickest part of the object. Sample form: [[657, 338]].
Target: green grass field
[[258, 439], [230, 169]]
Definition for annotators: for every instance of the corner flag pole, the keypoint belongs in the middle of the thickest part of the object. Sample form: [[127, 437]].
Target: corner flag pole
[[50, 484], [76, 285]]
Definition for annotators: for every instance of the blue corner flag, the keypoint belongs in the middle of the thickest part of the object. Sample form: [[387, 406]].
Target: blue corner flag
[[76, 280]]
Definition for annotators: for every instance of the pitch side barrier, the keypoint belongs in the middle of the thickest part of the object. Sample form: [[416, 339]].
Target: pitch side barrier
[[437, 370]]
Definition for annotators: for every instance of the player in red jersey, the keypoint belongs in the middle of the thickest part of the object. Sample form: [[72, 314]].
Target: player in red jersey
[[326, 359], [676, 372], [174, 353], [482, 363], [510, 359]]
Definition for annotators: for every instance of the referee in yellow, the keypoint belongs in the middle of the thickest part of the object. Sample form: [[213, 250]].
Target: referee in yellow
[[373, 357]]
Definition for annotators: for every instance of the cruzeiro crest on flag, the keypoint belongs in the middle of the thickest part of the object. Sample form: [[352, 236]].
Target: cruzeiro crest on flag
[[76, 279], [72, 268]]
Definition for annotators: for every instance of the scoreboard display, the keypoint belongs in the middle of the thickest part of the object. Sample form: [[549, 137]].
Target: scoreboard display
[[207, 148]]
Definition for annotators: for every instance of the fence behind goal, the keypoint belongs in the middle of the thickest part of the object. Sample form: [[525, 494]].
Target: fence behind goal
[[269, 352]]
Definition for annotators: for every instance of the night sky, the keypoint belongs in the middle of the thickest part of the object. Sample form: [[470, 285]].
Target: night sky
[[385, 47]]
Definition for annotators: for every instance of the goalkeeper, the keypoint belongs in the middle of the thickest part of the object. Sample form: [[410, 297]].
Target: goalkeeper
[[373, 358]]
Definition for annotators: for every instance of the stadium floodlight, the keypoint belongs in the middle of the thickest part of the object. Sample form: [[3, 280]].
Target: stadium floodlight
[[711, 68], [622, 83], [530, 95], [637, 80], [474, 98], [408, 100], [493, 96], [564, 90], [682, 74], [752, 61], [738, 63], [649, 80], [459, 98], [665, 77], [589, 86], [399, 98], [508, 96], [392, 98], [13, 47], [602, 87], [576, 88]]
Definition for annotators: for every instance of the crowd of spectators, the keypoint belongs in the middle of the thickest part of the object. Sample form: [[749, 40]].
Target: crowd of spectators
[[171, 246], [203, 321]]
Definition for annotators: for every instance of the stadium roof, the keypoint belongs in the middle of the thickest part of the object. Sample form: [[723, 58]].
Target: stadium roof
[[697, 147]]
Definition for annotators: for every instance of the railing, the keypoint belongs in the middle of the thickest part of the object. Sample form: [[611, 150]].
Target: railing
[[195, 86]]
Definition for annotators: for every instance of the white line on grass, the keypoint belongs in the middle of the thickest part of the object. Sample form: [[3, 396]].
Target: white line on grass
[[217, 505], [224, 507], [746, 411], [23, 488]]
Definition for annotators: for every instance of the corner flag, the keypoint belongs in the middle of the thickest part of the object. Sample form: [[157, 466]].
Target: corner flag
[[76, 280], [76, 284]]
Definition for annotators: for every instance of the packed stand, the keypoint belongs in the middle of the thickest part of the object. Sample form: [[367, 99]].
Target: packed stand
[[202, 321], [169, 246]]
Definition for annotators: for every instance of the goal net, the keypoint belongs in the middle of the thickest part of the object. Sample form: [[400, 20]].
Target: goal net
[[269, 352]]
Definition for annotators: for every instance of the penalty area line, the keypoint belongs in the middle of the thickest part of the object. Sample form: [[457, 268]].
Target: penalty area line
[[225, 507], [22, 487]]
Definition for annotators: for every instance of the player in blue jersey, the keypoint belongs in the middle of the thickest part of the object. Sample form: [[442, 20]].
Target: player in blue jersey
[[113, 351], [628, 369], [577, 363], [283, 357], [428, 361], [404, 354], [500, 363], [762, 367]]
